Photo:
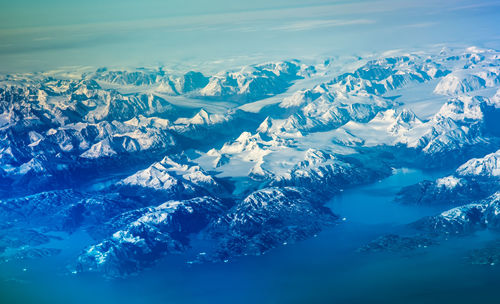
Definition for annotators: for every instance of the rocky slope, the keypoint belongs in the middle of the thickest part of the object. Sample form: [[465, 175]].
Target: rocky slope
[[476, 179]]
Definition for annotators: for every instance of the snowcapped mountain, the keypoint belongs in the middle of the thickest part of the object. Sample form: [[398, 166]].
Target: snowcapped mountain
[[380, 76], [459, 124], [453, 84], [149, 234], [478, 72], [265, 219], [157, 78], [325, 112], [248, 84], [475, 179], [247, 152], [460, 129], [488, 166], [140, 77], [327, 173], [146, 160], [51, 152], [465, 219], [256, 82], [63, 210], [173, 179], [460, 221], [353, 96], [268, 218], [202, 118]]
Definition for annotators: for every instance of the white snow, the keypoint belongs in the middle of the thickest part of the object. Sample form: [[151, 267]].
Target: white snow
[[448, 182], [100, 149], [489, 165]]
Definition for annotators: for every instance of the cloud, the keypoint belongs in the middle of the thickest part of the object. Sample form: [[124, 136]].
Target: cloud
[[43, 38], [307, 25], [420, 25], [475, 6]]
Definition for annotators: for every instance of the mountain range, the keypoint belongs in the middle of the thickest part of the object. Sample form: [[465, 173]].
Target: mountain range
[[147, 162]]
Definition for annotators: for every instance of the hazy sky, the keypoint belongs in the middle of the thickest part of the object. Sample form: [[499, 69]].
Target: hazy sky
[[38, 35]]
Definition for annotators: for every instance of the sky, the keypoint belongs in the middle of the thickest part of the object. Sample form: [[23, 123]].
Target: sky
[[184, 34]]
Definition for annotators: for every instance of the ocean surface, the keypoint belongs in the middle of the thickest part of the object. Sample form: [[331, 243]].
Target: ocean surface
[[323, 269]]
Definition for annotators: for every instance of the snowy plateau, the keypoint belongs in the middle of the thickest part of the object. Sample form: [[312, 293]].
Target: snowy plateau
[[150, 163]]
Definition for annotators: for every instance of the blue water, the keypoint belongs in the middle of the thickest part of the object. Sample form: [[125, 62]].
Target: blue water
[[324, 269]]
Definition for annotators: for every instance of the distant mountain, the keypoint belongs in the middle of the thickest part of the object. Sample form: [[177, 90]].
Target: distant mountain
[[476, 179], [461, 221], [464, 219], [248, 84]]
